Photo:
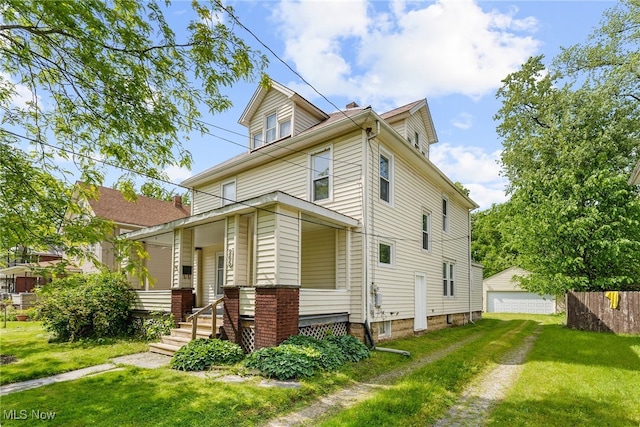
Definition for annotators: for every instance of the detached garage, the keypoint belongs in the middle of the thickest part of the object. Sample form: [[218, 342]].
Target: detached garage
[[503, 295]]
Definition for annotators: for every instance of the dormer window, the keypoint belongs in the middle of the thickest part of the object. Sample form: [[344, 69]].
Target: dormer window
[[271, 128], [285, 128]]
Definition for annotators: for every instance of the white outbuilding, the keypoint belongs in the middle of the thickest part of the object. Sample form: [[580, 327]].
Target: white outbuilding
[[502, 294]]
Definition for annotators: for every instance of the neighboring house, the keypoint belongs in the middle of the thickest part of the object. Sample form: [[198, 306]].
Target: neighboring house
[[22, 275], [133, 215], [502, 294], [329, 222]]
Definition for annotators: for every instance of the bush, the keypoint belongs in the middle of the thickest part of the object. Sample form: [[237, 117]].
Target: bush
[[201, 354], [331, 357], [86, 306], [153, 327], [285, 361], [352, 349]]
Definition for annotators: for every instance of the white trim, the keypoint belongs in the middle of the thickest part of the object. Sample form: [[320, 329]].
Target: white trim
[[312, 171], [392, 255], [391, 179]]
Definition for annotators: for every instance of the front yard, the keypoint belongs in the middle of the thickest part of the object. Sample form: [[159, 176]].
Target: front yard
[[571, 378]]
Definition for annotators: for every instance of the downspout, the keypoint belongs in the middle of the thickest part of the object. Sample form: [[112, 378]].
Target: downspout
[[470, 267]]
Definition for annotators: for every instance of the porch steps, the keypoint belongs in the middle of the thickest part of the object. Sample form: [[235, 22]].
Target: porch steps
[[181, 336]]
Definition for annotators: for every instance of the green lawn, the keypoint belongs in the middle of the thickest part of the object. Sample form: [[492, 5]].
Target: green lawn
[[571, 378], [38, 358], [575, 378]]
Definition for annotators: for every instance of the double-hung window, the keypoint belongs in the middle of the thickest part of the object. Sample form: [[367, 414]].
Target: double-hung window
[[448, 278], [385, 177], [256, 139], [228, 193], [426, 231], [445, 215], [271, 127], [321, 175]]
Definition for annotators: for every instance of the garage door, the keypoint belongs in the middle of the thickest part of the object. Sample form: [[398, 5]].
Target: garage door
[[520, 302]]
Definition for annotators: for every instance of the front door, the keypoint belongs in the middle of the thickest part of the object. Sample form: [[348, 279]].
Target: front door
[[420, 301]]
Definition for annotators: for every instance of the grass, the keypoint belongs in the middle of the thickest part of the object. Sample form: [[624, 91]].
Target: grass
[[576, 378], [571, 378], [38, 358]]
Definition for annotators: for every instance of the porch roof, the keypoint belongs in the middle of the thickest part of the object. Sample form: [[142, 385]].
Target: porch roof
[[279, 197]]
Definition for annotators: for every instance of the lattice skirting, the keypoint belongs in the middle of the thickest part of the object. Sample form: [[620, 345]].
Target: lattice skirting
[[248, 343], [322, 331]]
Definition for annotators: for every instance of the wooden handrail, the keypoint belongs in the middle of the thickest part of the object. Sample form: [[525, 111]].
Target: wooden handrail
[[194, 318]]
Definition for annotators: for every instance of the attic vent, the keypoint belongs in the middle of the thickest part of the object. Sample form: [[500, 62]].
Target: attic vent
[[352, 105]]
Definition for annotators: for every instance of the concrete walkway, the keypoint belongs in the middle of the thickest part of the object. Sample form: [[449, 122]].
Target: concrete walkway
[[142, 360]]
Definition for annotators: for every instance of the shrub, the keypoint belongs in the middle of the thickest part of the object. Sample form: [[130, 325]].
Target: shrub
[[201, 354], [331, 357], [352, 349], [86, 306], [286, 361], [153, 327]]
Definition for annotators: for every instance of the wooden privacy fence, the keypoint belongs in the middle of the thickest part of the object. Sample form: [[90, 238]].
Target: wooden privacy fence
[[591, 311]]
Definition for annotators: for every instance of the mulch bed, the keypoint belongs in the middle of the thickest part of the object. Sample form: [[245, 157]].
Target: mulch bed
[[5, 359]]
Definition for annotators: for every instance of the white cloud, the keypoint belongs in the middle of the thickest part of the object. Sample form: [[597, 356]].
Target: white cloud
[[389, 56], [463, 121], [22, 94], [476, 169], [177, 174]]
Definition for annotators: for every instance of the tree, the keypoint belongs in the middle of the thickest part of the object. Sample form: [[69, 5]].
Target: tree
[[107, 83], [488, 241], [570, 137]]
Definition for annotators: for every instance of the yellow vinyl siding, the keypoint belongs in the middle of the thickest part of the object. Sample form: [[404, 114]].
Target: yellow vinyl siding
[[318, 258], [323, 301], [303, 121], [288, 238], [415, 124], [402, 223], [266, 247], [159, 266], [206, 198]]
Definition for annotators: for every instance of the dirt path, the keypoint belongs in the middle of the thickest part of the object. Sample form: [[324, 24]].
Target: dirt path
[[478, 399], [347, 397]]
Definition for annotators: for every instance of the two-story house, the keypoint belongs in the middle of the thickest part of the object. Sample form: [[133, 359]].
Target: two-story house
[[329, 222]]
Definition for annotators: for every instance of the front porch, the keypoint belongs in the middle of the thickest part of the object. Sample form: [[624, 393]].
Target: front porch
[[275, 259]]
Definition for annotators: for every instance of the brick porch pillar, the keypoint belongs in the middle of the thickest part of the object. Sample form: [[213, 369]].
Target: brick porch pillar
[[231, 314], [277, 311], [181, 303]]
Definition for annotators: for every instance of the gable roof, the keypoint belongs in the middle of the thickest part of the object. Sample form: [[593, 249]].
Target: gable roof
[[420, 106], [146, 211], [260, 94]]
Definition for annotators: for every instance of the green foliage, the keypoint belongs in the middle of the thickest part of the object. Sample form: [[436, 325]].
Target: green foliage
[[489, 244], [570, 136], [86, 306], [331, 356], [155, 326], [201, 354], [101, 83], [352, 348], [301, 356], [285, 361]]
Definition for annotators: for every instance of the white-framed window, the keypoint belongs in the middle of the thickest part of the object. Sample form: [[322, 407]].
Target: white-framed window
[[321, 181], [228, 192], [271, 128], [256, 139], [219, 272], [384, 329], [386, 253], [416, 140], [426, 230], [448, 278], [386, 177], [445, 214], [284, 128]]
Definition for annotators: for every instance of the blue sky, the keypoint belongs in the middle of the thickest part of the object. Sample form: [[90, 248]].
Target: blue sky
[[388, 53]]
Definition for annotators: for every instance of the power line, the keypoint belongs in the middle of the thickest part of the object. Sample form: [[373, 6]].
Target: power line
[[69, 151]]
